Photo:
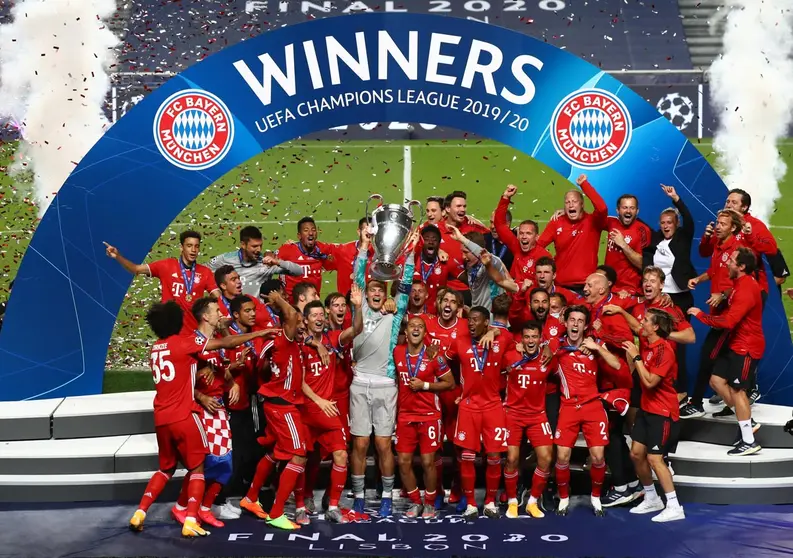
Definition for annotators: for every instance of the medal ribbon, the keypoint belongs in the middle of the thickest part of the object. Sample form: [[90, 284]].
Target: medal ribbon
[[235, 328], [413, 371], [188, 283], [480, 361], [473, 272], [314, 253], [204, 337], [525, 358], [502, 250], [273, 316], [227, 304], [426, 274]]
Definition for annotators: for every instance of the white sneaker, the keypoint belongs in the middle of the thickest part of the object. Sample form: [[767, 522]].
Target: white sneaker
[[649, 506], [226, 511], [671, 513]]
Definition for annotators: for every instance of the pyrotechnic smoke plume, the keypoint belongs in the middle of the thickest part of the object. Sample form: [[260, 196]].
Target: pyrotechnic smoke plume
[[54, 61], [752, 92]]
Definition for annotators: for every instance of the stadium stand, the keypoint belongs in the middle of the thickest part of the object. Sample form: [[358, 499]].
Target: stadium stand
[[702, 21]]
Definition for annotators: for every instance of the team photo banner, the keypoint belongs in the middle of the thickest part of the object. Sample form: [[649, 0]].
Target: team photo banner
[[317, 75]]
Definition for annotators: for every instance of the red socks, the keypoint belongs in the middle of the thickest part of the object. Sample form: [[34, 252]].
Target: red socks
[[511, 483], [492, 479], [468, 475], [195, 492], [153, 489], [538, 481], [181, 501], [415, 496], [563, 480], [286, 486], [211, 494], [338, 477], [598, 474], [300, 493], [429, 497], [263, 471]]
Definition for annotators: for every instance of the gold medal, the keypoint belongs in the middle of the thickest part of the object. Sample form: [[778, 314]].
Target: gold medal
[[188, 297]]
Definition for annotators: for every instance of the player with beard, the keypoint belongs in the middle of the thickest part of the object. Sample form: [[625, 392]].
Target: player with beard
[[736, 365], [457, 218], [418, 301], [421, 379], [253, 268], [545, 273], [321, 415], [431, 270], [282, 395], [524, 408], [312, 256], [484, 273], [575, 235], [654, 435], [628, 237], [373, 393], [230, 284], [682, 333], [442, 331], [344, 258], [480, 419], [718, 242], [613, 330], [180, 434], [182, 279], [580, 362]]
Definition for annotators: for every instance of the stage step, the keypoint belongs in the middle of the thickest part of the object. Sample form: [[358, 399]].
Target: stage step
[[722, 431], [27, 420], [112, 414], [64, 457], [698, 459], [83, 488], [710, 490]]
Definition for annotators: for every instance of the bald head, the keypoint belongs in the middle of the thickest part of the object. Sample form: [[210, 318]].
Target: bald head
[[596, 288]]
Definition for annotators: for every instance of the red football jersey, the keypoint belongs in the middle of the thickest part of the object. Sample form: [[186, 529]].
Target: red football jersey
[[418, 406], [174, 364], [286, 370], [526, 379], [444, 336], [578, 373], [435, 276], [719, 254], [659, 359], [762, 242], [321, 378], [577, 242], [266, 317], [523, 263], [313, 265], [680, 324], [214, 358], [637, 236], [614, 329], [456, 264], [343, 261], [174, 286], [743, 318], [552, 329], [480, 371], [343, 375], [224, 305], [248, 375]]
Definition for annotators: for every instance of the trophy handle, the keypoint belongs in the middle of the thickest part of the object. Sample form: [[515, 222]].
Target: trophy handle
[[421, 210], [373, 196]]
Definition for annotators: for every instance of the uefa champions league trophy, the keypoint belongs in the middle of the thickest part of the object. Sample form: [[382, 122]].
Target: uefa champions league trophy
[[390, 225]]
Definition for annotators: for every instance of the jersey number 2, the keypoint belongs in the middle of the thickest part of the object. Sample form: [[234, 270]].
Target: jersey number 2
[[161, 367]]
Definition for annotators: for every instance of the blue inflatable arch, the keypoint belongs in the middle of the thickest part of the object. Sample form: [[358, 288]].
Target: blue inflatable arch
[[297, 80]]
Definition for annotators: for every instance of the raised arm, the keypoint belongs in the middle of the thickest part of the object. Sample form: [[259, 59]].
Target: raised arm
[[273, 265], [500, 220], [133, 268], [497, 272], [356, 298], [290, 318], [601, 210], [234, 341], [402, 299]]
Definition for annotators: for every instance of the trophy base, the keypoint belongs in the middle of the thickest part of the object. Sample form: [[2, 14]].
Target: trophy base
[[385, 271]]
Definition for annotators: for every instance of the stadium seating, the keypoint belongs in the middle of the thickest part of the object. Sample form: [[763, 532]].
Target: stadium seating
[[102, 447]]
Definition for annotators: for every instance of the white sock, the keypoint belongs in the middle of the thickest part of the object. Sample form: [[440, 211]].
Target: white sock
[[471, 508], [746, 431], [491, 506], [633, 484], [596, 502], [512, 501], [532, 500], [330, 508], [621, 488], [204, 508], [564, 502], [671, 500], [180, 508], [650, 493]]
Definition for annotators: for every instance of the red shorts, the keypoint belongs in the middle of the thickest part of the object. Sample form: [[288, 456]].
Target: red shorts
[[476, 428], [326, 431], [426, 435], [284, 422], [183, 441], [591, 418], [536, 427], [449, 408]]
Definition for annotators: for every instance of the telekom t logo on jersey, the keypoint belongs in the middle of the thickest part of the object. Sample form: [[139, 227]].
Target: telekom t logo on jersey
[[524, 380]]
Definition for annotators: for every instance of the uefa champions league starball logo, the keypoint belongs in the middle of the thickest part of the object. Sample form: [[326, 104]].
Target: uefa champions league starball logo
[[193, 129], [677, 108], [591, 129]]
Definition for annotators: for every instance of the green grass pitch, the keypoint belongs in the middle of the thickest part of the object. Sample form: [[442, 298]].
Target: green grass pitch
[[329, 181]]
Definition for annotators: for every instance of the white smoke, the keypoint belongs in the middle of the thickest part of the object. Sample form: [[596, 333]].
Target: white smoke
[[54, 62], [752, 92]]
